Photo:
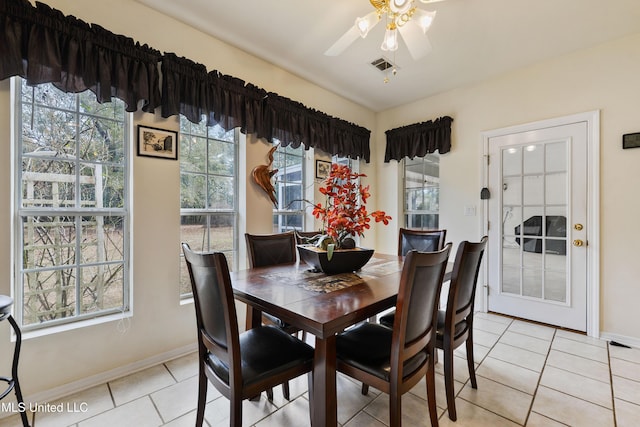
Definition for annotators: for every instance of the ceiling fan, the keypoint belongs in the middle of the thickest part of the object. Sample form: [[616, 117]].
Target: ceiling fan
[[400, 16]]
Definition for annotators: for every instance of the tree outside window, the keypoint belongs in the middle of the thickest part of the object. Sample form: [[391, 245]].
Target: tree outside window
[[72, 206]]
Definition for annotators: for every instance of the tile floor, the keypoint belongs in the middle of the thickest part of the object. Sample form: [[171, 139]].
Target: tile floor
[[528, 375]]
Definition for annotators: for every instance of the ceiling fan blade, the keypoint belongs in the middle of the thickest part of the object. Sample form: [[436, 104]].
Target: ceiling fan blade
[[370, 20], [343, 42], [416, 41]]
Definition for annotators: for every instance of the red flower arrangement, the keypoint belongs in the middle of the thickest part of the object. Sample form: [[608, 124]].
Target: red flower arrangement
[[344, 214]]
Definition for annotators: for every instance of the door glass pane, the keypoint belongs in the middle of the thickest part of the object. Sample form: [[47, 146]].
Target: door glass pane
[[533, 190], [533, 159], [556, 157], [534, 216]]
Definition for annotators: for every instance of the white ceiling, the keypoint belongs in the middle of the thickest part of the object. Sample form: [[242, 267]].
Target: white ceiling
[[471, 39]]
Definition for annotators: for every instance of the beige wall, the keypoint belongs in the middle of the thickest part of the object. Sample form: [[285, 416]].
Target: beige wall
[[602, 78]]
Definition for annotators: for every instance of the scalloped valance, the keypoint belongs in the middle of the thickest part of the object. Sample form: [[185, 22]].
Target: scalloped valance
[[419, 139]]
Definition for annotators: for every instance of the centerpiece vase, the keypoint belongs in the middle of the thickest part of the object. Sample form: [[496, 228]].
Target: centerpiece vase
[[342, 260]]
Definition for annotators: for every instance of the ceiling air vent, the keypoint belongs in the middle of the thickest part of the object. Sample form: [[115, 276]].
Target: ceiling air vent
[[382, 64]]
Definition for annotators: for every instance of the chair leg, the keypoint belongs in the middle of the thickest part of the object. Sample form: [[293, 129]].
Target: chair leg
[[202, 396], [431, 394], [235, 418], [269, 394], [395, 409], [310, 391], [470, 363], [14, 370], [365, 389], [285, 390], [448, 381]]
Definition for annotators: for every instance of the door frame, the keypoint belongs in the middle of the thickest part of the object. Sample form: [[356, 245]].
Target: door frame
[[592, 118]]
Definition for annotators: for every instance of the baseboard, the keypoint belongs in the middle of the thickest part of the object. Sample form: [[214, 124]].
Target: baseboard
[[104, 377], [622, 339]]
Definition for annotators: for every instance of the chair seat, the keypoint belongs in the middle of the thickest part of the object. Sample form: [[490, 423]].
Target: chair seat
[[368, 347], [284, 352], [460, 328]]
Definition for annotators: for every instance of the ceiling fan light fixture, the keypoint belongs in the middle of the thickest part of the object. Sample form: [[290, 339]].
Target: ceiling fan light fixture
[[400, 6], [424, 19], [390, 42]]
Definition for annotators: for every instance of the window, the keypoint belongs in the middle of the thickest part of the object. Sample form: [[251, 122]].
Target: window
[[208, 188], [72, 205], [289, 185], [422, 192]]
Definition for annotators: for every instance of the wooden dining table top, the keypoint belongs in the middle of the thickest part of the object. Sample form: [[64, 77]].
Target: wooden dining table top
[[321, 304]]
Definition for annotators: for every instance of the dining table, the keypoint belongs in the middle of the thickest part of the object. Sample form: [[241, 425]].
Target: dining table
[[321, 305]]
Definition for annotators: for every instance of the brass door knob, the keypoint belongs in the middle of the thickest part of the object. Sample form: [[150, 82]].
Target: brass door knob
[[578, 227], [578, 242]]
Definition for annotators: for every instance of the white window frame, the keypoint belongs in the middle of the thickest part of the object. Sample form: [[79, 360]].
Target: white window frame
[[427, 181]]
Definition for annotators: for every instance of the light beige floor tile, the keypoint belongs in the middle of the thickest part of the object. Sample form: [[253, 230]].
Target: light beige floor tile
[[479, 352], [525, 342], [97, 400], [364, 420], [180, 398], [183, 367], [470, 415], [493, 317], [483, 324], [297, 387], [486, 339], [138, 413], [350, 398], [574, 336], [629, 354], [625, 369], [570, 410], [460, 369], [498, 398], [217, 412], [420, 390], [625, 389], [532, 330], [515, 376], [415, 411], [188, 420], [578, 386], [140, 383], [537, 420], [518, 356], [581, 349], [294, 414], [15, 420], [627, 414], [579, 365]]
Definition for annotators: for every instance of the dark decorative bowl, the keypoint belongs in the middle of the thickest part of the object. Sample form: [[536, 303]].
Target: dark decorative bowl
[[342, 261]]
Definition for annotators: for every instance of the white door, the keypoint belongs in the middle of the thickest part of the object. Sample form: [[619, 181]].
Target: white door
[[538, 223]]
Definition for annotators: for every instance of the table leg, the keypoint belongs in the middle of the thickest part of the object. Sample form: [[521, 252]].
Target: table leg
[[325, 407], [253, 319]]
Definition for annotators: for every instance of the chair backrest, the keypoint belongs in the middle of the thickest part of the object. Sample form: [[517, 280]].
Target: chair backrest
[[415, 321], [271, 249], [420, 240], [300, 235], [215, 309], [464, 277]]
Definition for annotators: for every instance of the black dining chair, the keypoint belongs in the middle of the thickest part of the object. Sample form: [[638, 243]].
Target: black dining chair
[[272, 249], [420, 240], [240, 366], [455, 324], [395, 359]]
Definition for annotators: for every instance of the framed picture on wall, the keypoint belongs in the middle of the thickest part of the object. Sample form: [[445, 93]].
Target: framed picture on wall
[[323, 168], [154, 142]]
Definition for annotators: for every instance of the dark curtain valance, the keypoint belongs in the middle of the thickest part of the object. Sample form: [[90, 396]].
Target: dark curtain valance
[[42, 45], [419, 139]]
